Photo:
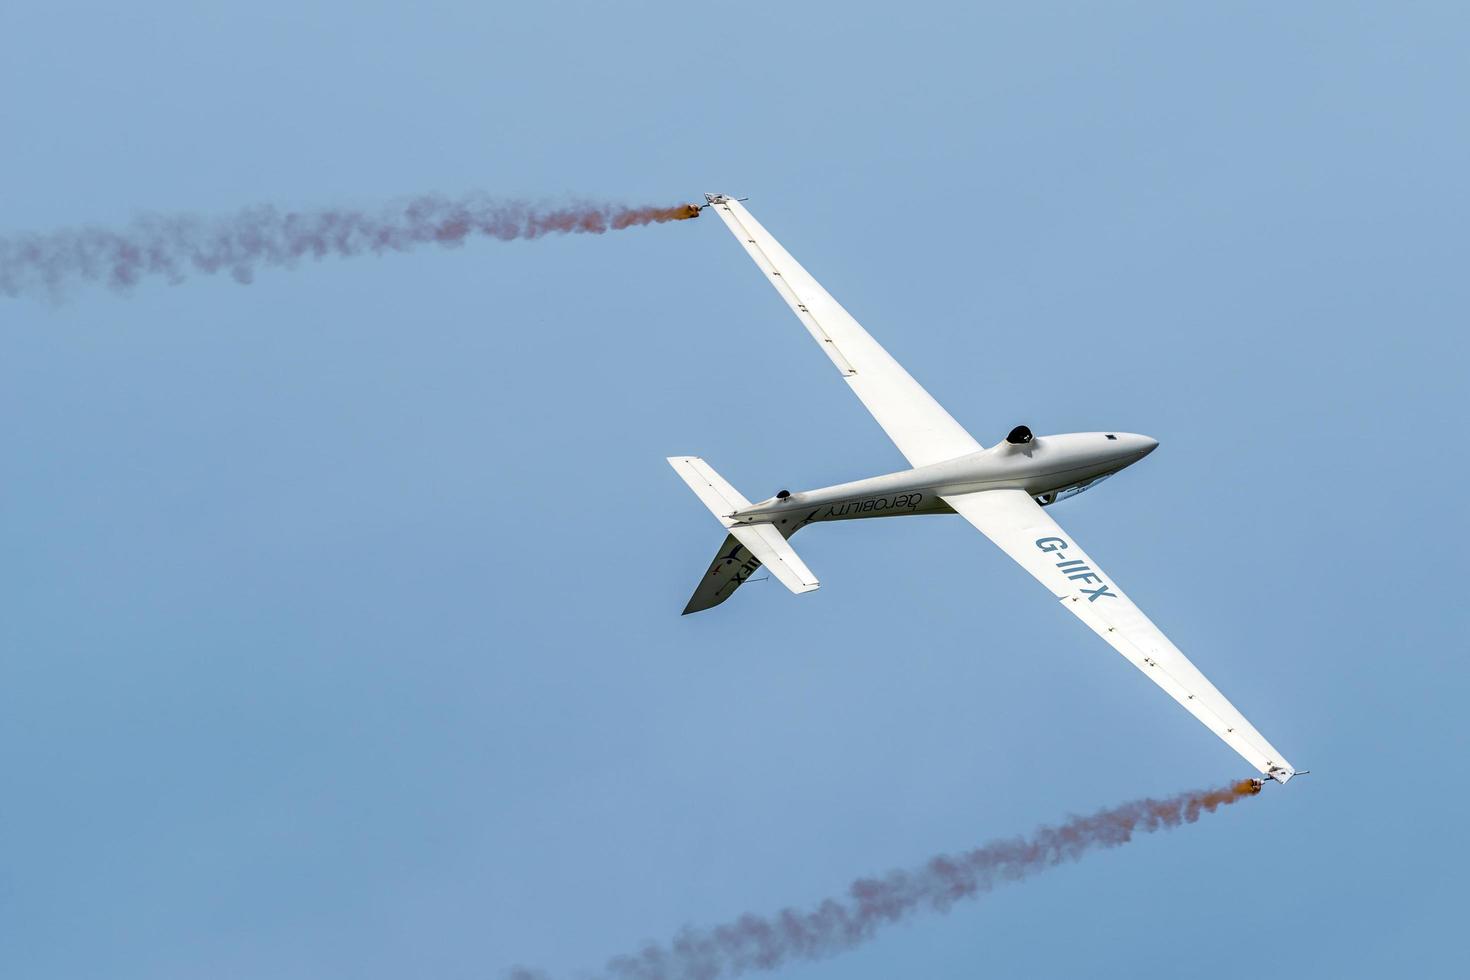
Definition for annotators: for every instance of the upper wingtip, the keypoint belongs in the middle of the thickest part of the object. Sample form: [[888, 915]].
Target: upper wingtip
[[1282, 774]]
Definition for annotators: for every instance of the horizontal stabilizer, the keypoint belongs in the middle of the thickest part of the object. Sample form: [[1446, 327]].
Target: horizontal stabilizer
[[711, 488], [775, 552]]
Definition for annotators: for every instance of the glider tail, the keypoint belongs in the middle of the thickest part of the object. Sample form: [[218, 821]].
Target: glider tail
[[747, 547]]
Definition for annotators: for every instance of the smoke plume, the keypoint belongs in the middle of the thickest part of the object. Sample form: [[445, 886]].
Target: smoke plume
[[172, 247], [755, 942]]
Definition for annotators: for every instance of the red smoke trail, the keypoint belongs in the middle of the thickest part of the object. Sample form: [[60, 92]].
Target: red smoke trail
[[765, 943], [172, 247]]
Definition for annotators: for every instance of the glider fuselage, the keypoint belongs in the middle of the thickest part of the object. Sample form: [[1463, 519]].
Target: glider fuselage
[[1048, 467]]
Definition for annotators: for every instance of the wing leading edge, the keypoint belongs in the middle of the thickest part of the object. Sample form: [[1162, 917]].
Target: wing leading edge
[[1018, 525], [918, 425]]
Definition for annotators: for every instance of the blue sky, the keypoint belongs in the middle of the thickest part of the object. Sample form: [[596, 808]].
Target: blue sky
[[340, 634]]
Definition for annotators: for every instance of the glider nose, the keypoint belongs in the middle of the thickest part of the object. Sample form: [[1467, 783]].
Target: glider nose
[[1134, 447]]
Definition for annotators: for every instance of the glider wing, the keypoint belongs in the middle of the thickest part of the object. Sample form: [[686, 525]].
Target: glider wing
[[1018, 525], [923, 431]]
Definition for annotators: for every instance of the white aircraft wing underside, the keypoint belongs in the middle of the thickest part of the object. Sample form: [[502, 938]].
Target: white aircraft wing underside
[[1015, 522], [923, 431]]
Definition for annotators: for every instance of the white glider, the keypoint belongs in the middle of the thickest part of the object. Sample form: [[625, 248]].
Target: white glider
[[1000, 490]]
